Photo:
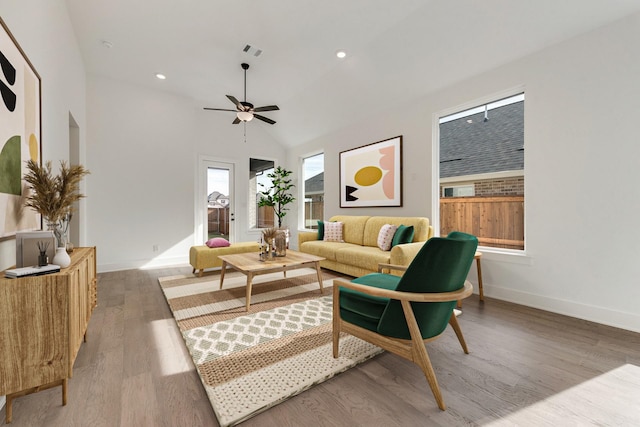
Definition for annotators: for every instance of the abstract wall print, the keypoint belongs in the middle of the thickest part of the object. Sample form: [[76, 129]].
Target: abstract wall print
[[19, 133], [371, 176]]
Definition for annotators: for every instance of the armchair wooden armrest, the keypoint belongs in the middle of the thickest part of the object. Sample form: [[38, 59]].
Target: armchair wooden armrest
[[384, 266], [464, 292]]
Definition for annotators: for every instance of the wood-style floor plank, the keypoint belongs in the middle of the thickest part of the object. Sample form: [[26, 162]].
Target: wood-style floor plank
[[526, 367]]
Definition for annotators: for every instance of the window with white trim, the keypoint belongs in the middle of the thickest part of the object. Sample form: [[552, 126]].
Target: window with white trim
[[481, 175]]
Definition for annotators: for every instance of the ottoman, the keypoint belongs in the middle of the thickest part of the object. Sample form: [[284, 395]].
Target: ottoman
[[201, 257]]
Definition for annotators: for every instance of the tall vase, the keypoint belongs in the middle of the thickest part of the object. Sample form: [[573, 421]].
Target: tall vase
[[61, 257]]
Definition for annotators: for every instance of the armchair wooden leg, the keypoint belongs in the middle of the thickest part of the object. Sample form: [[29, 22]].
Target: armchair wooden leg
[[336, 320], [453, 321], [420, 355]]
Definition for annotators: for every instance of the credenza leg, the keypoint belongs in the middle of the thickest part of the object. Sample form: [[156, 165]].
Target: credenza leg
[[9, 412], [64, 392]]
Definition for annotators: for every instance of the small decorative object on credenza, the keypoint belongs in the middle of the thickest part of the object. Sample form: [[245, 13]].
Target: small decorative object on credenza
[[16, 273], [53, 196], [43, 259], [29, 244]]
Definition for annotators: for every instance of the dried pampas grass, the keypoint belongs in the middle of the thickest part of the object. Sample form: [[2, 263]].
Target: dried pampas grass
[[53, 195]]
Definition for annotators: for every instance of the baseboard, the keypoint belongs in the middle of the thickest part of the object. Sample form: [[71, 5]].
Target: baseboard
[[592, 313]]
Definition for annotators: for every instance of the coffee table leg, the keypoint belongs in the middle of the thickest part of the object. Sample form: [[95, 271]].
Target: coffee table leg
[[249, 280], [317, 263], [224, 268]]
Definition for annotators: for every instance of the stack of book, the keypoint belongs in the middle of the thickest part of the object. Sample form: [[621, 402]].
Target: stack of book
[[31, 271]]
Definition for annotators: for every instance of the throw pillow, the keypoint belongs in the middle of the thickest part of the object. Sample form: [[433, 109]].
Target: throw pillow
[[218, 242], [385, 237], [333, 232], [403, 235], [320, 230]]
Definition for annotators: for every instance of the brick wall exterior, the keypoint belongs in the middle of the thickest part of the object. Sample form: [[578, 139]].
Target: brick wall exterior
[[513, 186], [500, 187]]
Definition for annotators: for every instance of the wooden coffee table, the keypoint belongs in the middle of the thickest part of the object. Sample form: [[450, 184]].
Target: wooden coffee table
[[250, 265]]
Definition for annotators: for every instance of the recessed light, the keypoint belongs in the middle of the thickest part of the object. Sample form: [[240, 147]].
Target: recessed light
[[107, 44], [160, 76], [341, 54]]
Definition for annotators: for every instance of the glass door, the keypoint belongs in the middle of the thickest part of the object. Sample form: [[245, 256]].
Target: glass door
[[219, 210]]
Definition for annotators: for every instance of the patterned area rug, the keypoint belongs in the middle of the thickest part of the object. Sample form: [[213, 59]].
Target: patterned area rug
[[250, 361]]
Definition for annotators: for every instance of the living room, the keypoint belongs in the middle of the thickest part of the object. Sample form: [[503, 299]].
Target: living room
[[144, 147]]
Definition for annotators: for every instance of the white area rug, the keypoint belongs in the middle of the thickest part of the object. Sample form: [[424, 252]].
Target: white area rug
[[251, 361]]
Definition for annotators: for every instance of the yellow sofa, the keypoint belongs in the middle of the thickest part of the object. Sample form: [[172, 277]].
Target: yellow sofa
[[359, 253]]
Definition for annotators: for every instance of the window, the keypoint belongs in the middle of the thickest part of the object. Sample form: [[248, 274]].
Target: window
[[313, 190], [260, 217], [458, 191], [482, 172]]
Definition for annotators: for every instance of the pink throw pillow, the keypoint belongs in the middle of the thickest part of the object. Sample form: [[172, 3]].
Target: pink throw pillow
[[385, 236], [218, 242]]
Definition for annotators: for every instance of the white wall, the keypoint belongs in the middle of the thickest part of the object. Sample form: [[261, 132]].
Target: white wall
[[62, 80], [582, 174], [143, 154], [36, 24]]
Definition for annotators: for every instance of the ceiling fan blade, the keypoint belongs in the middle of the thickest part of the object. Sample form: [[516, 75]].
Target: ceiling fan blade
[[266, 108], [264, 119], [236, 102], [220, 109], [236, 121]]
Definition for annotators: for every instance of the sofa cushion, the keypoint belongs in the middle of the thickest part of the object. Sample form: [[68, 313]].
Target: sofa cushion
[[385, 236], [404, 234], [353, 228], [320, 230], [324, 249], [366, 257], [333, 232]]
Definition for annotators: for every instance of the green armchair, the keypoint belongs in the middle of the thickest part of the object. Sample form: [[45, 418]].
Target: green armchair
[[401, 314]]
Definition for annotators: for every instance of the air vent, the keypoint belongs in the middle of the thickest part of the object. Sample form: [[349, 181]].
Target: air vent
[[252, 50]]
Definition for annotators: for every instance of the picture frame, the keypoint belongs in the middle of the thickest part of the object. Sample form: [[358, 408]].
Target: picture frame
[[371, 175], [20, 134]]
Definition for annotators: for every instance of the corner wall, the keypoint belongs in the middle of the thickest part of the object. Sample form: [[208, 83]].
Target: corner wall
[[581, 203], [144, 151]]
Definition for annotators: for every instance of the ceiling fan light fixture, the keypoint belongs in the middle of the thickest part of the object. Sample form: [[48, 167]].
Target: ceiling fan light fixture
[[245, 116]]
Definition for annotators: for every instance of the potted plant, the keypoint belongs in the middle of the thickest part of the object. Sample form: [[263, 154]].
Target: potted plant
[[278, 196], [53, 196]]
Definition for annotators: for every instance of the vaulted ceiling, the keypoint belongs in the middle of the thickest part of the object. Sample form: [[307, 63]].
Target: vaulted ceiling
[[396, 50]]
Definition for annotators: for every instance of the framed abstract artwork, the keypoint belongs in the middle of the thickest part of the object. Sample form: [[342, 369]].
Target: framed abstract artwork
[[20, 129], [371, 175]]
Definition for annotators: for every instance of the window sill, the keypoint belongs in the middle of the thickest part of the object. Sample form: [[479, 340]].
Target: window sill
[[506, 255]]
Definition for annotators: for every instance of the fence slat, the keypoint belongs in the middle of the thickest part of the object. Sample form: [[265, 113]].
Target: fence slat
[[497, 221]]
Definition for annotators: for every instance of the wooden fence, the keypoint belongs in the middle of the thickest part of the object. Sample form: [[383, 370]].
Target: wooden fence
[[497, 221]]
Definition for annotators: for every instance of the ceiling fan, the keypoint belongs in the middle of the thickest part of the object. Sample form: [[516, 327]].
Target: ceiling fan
[[245, 111]]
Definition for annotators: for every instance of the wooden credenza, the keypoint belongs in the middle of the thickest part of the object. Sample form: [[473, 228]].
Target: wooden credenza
[[43, 322]]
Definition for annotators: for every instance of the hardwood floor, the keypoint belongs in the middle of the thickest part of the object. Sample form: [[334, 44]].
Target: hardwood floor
[[526, 367]]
